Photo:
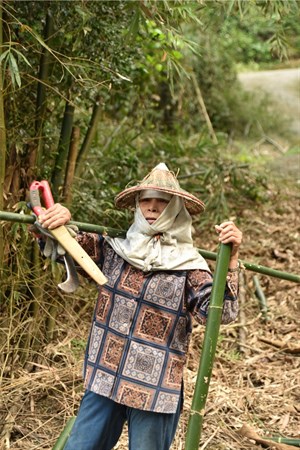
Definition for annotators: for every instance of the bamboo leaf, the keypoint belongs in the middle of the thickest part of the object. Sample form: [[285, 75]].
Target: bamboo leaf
[[14, 70], [22, 56], [2, 57]]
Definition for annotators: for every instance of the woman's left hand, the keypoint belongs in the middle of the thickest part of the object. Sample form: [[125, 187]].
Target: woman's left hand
[[229, 233]]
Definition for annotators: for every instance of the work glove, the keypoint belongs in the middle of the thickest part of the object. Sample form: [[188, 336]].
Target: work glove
[[50, 247]]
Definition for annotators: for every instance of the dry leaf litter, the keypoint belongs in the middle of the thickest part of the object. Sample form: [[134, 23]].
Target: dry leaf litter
[[256, 375]]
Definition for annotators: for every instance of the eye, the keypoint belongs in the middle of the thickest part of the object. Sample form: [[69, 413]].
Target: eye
[[163, 202]]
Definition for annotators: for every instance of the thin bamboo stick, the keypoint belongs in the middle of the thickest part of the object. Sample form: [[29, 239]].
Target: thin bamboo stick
[[250, 433], [242, 331], [284, 440], [261, 298], [208, 349], [203, 109], [114, 232]]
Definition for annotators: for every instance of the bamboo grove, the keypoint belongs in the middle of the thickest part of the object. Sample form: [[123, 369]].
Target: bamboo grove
[[91, 95]]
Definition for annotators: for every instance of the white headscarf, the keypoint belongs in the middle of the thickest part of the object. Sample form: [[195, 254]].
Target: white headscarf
[[166, 244]]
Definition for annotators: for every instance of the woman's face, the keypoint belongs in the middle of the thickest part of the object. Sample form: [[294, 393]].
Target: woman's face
[[152, 208]]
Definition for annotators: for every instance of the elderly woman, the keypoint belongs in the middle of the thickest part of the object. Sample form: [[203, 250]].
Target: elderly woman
[[157, 281]]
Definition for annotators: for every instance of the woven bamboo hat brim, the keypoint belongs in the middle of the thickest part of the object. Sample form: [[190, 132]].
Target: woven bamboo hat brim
[[160, 179]]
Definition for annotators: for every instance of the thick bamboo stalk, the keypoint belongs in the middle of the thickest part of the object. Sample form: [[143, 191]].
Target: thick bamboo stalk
[[63, 149], [114, 232], [71, 164], [45, 65], [90, 134], [208, 349]]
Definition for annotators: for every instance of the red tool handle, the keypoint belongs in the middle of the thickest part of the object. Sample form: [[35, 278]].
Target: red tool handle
[[43, 188]]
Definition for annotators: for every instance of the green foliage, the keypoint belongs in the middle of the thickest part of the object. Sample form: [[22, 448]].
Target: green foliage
[[134, 59], [78, 347], [266, 37], [207, 170]]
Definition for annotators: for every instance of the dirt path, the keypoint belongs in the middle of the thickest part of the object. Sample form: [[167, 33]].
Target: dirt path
[[283, 86]]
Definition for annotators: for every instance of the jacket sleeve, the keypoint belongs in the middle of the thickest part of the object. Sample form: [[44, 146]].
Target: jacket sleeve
[[91, 243], [199, 287]]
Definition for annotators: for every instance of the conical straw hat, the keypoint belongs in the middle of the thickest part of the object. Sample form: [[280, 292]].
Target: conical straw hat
[[160, 179]]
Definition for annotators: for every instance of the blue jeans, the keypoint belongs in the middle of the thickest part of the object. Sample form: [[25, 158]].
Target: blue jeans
[[100, 421]]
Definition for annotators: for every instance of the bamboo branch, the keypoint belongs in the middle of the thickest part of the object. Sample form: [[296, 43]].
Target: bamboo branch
[[203, 109], [284, 346], [114, 232], [284, 440], [250, 433]]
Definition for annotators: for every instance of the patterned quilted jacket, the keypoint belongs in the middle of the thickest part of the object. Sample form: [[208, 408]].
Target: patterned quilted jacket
[[141, 326]]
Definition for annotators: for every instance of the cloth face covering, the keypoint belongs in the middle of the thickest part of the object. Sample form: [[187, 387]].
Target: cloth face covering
[[167, 244]]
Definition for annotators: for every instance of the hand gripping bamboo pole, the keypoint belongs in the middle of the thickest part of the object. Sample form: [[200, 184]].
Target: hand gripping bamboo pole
[[209, 346]]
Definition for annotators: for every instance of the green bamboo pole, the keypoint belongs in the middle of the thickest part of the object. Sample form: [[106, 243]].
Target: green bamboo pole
[[284, 440], [114, 232], [208, 349], [261, 298], [45, 66], [58, 176], [71, 165], [61, 441], [89, 137]]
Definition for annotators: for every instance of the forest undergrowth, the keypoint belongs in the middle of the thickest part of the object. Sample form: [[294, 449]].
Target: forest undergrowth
[[256, 375], [103, 99]]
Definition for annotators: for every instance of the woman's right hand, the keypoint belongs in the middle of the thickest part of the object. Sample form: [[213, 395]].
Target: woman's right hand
[[55, 216]]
